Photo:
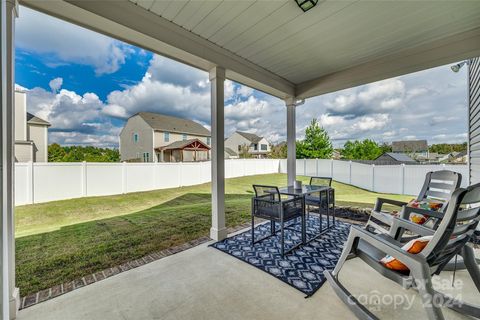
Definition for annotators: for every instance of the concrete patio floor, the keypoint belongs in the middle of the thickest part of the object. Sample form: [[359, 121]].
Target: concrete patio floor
[[204, 283]]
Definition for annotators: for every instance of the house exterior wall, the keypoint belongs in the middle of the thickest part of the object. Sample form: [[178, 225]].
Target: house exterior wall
[[159, 138], [473, 121], [131, 150], [24, 152], [236, 140], [20, 116], [38, 134], [173, 137]]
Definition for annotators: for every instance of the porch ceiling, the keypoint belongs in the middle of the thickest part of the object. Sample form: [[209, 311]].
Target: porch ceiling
[[274, 47]]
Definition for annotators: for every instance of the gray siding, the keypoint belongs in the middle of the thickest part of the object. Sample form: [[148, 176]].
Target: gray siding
[[39, 135], [130, 150], [474, 120]]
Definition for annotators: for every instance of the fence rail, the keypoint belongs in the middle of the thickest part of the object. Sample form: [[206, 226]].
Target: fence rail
[[42, 182]]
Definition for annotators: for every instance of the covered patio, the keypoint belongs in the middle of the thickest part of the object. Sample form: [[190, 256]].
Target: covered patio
[[271, 46]]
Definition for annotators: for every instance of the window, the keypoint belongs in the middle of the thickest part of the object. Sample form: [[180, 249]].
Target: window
[[146, 157], [135, 137], [263, 147], [166, 136], [208, 141], [255, 146], [239, 148], [185, 137]]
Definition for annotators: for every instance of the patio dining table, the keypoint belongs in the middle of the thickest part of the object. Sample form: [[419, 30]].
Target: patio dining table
[[303, 192]]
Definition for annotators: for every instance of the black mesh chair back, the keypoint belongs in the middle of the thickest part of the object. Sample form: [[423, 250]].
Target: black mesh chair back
[[321, 181], [270, 192]]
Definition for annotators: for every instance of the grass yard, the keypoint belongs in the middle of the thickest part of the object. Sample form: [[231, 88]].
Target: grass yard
[[64, 240]]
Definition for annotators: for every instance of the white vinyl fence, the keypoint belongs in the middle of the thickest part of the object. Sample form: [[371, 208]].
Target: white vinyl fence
[[399, 179], [42, 182]]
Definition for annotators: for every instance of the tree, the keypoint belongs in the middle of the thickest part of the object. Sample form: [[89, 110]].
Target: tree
[[362, 150], [316, 144], [444, 148], [57, 153], [279, 151]]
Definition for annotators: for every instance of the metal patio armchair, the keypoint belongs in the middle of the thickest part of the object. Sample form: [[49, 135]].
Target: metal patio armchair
[[269, 205], [438, 185], [451, 238], [316, 200]]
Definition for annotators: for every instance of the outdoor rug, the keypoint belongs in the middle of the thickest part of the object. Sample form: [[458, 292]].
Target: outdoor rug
[[303, 267]]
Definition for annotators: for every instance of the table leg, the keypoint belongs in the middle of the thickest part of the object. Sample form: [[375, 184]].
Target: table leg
[[328, 209], [304, 227]]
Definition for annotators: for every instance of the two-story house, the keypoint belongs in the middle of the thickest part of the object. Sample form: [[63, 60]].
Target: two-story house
[[31, 132], [154, 137], [257, 147]]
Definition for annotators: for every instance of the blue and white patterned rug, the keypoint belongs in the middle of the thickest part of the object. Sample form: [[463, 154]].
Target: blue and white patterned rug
[[303, 267]]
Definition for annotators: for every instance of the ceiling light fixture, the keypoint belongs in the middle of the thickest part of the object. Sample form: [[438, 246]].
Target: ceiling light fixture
[[306, 5]]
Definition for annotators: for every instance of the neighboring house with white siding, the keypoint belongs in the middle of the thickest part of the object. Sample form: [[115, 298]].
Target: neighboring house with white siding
[[31, 133], [257, 146], [154, 137]]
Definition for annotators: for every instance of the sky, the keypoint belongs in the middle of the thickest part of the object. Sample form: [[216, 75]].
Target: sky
[[87, 84]]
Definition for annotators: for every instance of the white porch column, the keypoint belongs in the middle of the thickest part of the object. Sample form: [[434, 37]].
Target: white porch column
[[217, 79], [291, 141], [10, 296]]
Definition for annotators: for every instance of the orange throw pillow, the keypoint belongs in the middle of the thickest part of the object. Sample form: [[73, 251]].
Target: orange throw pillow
[[413, 246]]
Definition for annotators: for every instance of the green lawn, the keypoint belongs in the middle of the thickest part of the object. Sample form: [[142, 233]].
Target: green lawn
[[63, 240]]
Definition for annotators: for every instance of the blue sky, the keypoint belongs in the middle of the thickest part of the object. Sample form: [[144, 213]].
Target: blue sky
[[87, 85]]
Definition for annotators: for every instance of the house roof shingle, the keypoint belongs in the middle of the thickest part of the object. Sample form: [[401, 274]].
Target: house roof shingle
[[410, 146], [182, 144], [250, 136], [36, 120], [401, 157], [162, 122]]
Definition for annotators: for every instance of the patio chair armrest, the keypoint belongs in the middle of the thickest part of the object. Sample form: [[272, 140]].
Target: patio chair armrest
[[427, 213], [385, 246], [399, 223], [380, 201]]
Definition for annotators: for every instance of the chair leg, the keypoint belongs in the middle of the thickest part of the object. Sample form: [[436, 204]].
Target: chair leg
[[253, 229], [282, 233], [427, 294], [272, 227], [472, 267]]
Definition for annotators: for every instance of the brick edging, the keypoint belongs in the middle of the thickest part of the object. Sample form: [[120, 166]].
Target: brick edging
[[66, 287]]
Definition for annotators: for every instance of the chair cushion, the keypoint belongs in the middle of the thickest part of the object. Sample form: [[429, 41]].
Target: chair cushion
[[413, 246], [426, 204]]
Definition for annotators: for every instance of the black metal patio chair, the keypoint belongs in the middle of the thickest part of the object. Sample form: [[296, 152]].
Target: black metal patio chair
[[319, 200], [269, 205], [451, 238]]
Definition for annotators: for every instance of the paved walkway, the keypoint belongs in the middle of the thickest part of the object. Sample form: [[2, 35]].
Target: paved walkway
[[203, 283]]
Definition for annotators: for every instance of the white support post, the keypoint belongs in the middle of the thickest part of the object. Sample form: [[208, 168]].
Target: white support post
[[403, 178], [291, 141], [217, 80], [10, 296]]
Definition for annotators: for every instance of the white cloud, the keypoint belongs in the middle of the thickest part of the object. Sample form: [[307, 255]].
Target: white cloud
[[62, 43], [55, 84], [75, 119]]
